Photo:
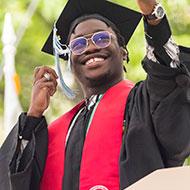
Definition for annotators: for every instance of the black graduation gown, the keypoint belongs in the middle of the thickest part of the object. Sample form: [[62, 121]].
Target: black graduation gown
[[33, 159]]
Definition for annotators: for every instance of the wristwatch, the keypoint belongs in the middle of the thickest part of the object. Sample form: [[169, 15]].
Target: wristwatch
[[157, 13]]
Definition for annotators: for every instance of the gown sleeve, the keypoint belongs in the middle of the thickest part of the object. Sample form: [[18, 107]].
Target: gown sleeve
[[22, 169], [157, 115], [168, 88]]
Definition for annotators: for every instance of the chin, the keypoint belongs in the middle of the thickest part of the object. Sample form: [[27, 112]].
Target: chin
[[99, 80]]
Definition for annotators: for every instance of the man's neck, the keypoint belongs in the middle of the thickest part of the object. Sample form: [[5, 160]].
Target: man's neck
[[100, 89]]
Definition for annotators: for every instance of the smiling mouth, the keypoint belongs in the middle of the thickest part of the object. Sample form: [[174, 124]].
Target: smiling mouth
[[94, 60]]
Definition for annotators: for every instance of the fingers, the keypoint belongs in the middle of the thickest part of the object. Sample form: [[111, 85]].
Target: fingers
[[42, 83], [40, 71], [49, 86], [43, 70]]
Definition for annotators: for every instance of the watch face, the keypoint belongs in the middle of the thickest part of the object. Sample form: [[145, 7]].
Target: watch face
[[159, 13]]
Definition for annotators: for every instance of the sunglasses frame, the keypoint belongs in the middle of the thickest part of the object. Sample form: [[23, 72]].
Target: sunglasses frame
[[91, 38]]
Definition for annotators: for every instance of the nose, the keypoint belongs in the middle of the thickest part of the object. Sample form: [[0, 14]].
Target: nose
[[91, 47]]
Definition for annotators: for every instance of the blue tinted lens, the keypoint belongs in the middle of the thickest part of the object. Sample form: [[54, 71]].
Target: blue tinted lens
[[78, 45], [102, 39]]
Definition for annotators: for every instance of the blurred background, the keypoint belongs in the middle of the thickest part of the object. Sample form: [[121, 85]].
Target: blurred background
[[32, 21]]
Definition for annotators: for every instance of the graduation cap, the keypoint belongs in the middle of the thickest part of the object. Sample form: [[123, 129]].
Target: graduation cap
[[125, 19]]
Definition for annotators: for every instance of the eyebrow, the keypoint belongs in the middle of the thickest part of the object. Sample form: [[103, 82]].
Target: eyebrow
[[80, 35]]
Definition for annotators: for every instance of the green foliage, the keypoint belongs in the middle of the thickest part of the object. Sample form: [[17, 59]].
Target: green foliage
[[187, 162], [29, 50]]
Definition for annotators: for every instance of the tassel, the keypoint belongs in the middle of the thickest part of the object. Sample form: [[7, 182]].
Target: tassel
[[58, 50]]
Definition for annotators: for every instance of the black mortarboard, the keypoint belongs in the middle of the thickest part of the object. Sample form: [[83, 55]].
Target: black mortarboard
[[126, 20]]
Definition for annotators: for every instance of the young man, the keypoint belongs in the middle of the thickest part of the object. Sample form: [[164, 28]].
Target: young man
[[119, 133]]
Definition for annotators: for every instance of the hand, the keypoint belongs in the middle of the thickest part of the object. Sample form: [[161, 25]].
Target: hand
[[42, 90], [146, 6]]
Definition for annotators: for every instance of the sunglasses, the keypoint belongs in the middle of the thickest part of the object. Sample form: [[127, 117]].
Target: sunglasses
[[100, 39]]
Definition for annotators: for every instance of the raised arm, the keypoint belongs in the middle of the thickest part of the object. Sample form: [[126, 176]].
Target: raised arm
[[160, 46], [167, 87]]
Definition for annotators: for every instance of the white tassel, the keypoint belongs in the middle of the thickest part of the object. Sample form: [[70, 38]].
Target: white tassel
[[58, 50]]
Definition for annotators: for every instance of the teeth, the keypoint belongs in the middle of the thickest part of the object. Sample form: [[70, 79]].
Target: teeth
[[96, 59], [89, 61]]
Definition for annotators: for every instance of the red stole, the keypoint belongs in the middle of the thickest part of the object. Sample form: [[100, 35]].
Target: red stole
[[100, 159]]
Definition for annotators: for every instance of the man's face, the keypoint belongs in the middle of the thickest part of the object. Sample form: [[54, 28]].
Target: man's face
[[96, 66]]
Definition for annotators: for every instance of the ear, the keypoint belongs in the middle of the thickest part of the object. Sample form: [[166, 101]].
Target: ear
[[125, 54]]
